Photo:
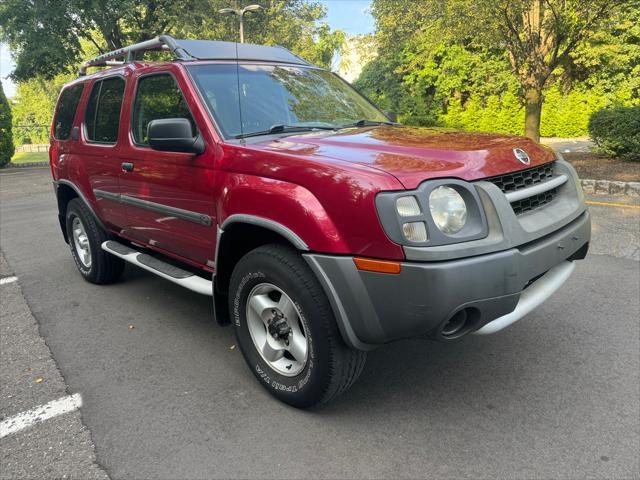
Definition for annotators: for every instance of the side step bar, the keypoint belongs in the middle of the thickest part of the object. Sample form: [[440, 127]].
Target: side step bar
[[163, 269]]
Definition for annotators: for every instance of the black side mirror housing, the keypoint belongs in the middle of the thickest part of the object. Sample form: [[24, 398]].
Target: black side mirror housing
[[174, 135], [393, 116]]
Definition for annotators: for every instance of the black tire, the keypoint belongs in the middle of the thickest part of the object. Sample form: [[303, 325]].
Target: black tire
[[331, 366], [104, 267]]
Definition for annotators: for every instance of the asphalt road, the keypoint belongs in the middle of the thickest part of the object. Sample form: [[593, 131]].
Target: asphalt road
[[557, 395], [29, 378]]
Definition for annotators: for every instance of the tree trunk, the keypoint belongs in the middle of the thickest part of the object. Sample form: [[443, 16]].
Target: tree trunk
[[533, 110]]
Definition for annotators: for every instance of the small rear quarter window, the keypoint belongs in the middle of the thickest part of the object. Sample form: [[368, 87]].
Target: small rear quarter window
[[66, 111]]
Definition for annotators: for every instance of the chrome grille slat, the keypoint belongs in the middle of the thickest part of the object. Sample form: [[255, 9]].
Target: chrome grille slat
[[536, 189]]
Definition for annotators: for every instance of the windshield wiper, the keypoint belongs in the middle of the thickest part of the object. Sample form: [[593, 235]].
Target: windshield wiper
[[369, 123], [283, 128]]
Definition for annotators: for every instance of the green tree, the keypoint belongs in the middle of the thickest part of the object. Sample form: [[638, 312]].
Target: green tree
[[50, 38], [33, 107], [7, 148], [538, 37], [293, 24], [46, 36]]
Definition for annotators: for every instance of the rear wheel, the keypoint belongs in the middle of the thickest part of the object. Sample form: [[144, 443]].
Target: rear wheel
[[85, 240], [286, 331]]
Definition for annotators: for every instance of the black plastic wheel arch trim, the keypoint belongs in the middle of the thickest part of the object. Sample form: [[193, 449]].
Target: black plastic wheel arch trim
[[73, 186]]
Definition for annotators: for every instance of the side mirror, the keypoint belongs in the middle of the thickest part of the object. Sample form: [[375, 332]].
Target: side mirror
[[174, 135], [393, 116]]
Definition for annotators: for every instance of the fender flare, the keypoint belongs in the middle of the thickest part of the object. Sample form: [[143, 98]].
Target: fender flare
[[82, 197], [272, 225]]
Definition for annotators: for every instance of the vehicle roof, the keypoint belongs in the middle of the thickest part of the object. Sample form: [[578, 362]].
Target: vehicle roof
[[188, 51], [219, 50]]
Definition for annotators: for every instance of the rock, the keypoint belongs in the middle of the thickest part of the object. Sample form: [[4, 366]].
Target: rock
[[589, 186], [633, 189], [617, 188], [602, 186]]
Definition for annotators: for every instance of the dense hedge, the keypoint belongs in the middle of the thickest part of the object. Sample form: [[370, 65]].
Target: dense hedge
[[563, 114], [7, 148], [617, 131]]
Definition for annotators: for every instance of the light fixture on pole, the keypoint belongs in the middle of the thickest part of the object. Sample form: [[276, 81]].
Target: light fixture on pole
[[240, 13]]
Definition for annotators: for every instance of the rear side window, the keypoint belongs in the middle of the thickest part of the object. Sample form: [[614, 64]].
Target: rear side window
[[157, 97], [67, 105], [103, 110]]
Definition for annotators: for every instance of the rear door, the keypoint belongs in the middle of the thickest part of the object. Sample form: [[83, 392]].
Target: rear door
[[168, 196], [99, 147], [63, 133]]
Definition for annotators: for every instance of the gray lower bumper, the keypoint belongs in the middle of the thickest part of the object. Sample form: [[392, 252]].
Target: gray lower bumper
[[374, 308]]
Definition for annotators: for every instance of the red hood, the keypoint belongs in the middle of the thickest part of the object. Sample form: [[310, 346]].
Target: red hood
[[416, 154]]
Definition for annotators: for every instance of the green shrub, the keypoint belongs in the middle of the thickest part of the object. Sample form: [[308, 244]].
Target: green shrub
[[566, 114], [617, 131], [7, 148]]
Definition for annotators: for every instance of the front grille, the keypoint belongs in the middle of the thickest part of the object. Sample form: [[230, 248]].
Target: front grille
[[525, 178], [533, 202], [512, 182]]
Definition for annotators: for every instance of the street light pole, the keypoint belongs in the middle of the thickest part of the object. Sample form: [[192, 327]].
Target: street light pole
[[240, 13]]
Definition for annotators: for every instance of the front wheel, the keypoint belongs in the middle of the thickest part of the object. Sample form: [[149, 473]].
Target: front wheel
[[286, 330]]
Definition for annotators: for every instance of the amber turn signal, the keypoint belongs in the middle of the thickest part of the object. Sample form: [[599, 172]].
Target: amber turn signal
[[380, 266]]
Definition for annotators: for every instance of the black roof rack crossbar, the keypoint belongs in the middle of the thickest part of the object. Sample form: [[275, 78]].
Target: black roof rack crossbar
[[128, 54]]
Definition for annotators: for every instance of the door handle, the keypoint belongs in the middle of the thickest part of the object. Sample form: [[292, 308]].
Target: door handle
[[127, 166]]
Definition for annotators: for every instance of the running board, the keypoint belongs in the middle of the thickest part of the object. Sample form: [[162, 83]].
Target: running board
[[165, 270]]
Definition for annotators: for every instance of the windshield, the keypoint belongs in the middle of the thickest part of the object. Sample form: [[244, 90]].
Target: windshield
[[279, 96]]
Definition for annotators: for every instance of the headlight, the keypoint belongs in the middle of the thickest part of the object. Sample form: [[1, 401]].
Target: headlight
[[438, 212], [448, 209]]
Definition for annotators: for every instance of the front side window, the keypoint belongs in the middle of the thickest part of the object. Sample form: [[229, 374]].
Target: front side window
[[103, 110], [157, 97], [66, 112], [248, 99]]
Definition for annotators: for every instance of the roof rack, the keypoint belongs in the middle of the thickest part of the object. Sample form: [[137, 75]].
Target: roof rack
[[161, 42], [195, 50]]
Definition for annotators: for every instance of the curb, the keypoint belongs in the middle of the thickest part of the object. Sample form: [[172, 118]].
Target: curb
[[26, 165], [610, 187]]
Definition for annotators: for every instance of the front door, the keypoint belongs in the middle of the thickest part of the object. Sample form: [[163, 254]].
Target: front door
[[168, 196]]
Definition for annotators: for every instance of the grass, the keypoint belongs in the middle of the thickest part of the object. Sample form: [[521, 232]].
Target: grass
[[30, 157]]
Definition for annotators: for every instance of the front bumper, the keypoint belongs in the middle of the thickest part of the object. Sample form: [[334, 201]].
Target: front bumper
[[374, 308]]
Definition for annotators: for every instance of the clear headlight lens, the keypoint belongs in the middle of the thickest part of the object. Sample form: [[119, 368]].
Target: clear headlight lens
[[407, 206], [415, 231], [448, 209]]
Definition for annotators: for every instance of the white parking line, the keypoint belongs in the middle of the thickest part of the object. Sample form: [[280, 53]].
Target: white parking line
[[52, 409], [5, 280]]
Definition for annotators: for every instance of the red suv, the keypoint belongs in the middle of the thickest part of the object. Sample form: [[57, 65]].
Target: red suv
[[320, 227]]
